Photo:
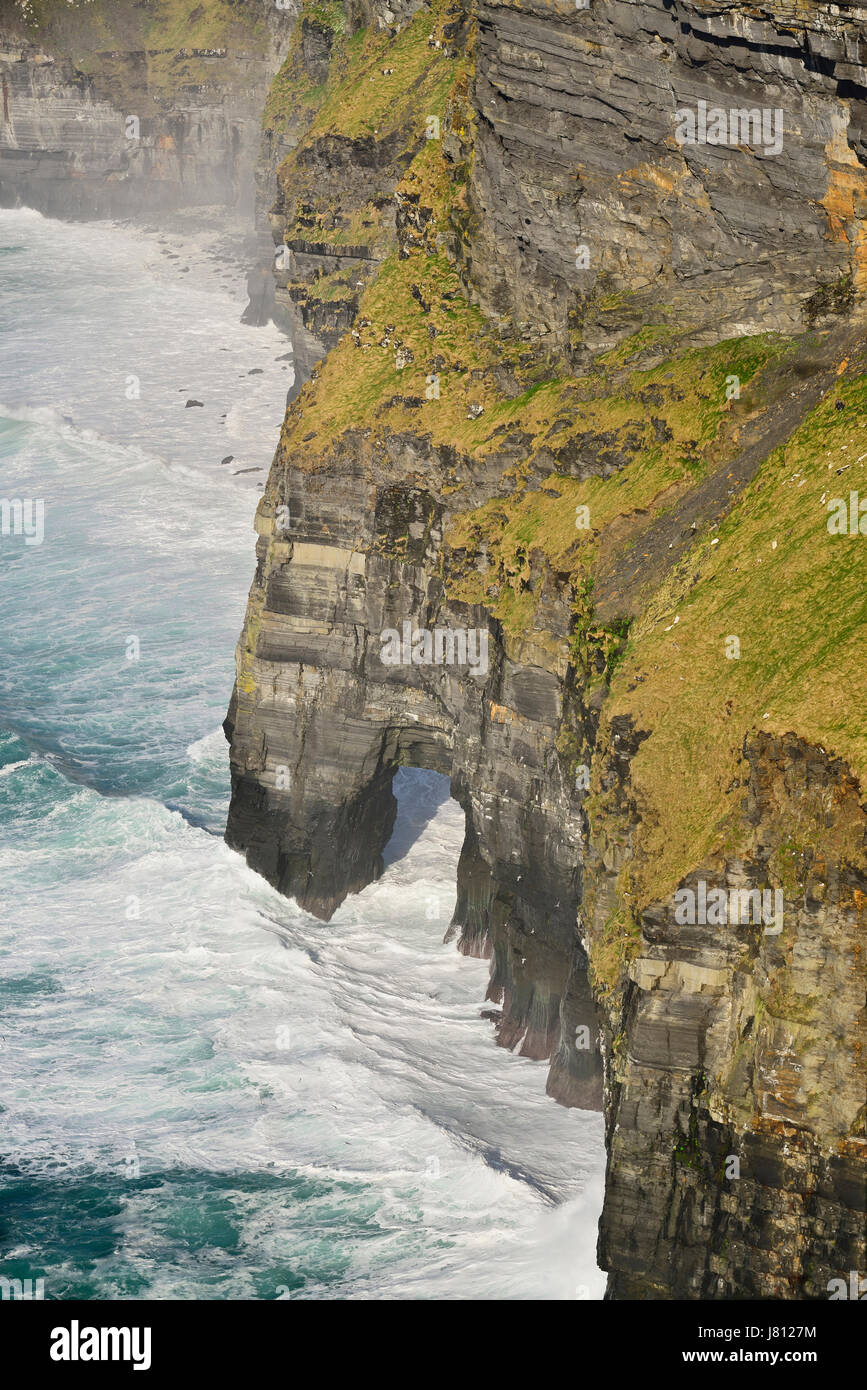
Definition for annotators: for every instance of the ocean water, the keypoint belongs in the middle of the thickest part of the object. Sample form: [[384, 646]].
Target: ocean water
[[204, 1092]]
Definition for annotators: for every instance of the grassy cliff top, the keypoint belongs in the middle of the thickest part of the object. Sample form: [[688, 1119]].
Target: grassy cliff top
[[794, 596], [98, 35], [353, 106]]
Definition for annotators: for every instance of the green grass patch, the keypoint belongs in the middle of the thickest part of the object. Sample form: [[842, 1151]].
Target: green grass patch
[[793, 596]]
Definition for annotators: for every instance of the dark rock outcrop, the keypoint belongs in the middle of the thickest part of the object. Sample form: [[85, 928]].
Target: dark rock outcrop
[[736, 1077]]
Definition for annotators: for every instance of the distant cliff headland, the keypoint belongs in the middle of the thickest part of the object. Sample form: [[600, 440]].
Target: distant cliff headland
[[113, 108]]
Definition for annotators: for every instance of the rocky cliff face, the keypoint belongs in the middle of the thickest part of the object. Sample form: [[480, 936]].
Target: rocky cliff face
[[583, 393], [117, 109], [736, 1094], [579, 144]]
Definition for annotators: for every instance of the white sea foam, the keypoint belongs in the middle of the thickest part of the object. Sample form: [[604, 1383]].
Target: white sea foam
[[221, 1030], [264, 1101], [9, 768]]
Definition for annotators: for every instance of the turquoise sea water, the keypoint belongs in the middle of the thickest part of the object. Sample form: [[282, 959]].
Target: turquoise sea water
[[205, 1093]]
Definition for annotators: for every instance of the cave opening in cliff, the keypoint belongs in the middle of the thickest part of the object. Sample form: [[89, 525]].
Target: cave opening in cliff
[[419, 793], [537, 994]]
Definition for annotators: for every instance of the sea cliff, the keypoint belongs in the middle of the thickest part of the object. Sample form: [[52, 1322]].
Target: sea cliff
[[590, 390]]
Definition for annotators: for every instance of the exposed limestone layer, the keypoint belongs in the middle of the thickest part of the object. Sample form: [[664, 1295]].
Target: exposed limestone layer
[[577, 146], [119, 109]]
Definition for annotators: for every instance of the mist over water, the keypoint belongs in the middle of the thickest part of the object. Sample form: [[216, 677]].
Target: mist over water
[[205, 1092]]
